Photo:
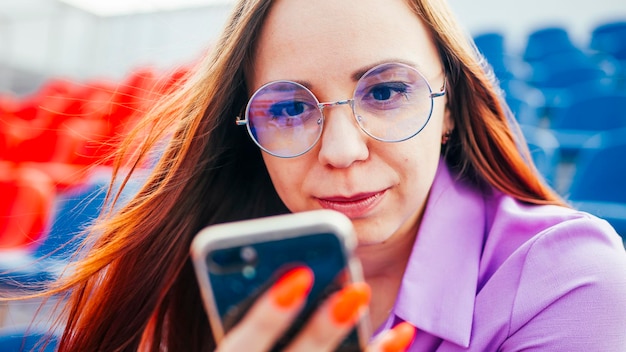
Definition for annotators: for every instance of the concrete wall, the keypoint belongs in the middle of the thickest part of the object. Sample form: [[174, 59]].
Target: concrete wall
[[65, 41], [71, 43], [518, 18]]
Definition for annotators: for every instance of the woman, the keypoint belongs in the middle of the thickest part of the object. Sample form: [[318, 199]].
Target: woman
[[458, 236]]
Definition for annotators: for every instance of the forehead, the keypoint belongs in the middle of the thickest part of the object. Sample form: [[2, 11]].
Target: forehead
[[330, 40]]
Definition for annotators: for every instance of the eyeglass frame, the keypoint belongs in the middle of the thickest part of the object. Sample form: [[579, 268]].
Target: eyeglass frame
[[321, 105]]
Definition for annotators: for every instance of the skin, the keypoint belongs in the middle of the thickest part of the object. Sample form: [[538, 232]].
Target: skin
[[324, 45], [382, 187]]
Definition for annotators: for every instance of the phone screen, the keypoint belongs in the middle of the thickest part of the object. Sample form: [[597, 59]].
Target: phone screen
[[240, 274]]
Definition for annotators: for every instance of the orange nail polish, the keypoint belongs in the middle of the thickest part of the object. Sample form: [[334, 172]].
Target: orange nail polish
[[292, 287], [349, 302], [399, 338]]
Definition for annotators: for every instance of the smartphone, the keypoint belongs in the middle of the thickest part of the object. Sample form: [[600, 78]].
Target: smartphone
[[238, 261]]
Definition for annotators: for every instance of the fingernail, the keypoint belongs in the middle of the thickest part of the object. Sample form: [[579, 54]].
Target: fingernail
[[399, 338], [349, 301], [292, 287]]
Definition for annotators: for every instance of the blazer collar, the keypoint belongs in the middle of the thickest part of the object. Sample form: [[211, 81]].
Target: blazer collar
[[440, 282]]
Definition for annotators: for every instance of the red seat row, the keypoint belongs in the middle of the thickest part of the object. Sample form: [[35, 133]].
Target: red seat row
[[25, 205], [49, 140]]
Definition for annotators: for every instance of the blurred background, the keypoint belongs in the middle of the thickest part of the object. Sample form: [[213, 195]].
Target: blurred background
[[76, 74], [83, 39]]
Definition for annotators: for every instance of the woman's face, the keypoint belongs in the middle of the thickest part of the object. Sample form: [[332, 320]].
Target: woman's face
[[326, 45]]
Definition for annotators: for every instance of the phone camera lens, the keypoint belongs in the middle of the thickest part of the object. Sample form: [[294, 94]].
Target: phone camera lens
[[249, 272], [248, 254]]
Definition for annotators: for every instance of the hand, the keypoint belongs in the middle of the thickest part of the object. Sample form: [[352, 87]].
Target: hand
[[274, 312]]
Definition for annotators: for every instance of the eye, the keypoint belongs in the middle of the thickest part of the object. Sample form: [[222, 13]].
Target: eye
[[386, 91], [385, 96], [381, 93], [290, 113], [290, 108]]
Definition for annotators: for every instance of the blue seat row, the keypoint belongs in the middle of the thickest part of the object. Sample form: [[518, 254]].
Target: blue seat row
[[598, 174], [571, 103], [18, 339], [44, 262], [553, 66], [32, 268]]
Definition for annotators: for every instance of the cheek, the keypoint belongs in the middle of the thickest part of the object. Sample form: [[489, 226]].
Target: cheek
[[417, 173], [287, 176], [420, 160]]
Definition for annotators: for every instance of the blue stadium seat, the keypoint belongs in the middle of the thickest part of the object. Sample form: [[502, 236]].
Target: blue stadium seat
[[491, 45], [570, 71], [544, 150], [547, 41], [581, 120], [21, 339], [527, 103], [563, 74], [599, 183], [74, 211], [579, 92], [610, 38]]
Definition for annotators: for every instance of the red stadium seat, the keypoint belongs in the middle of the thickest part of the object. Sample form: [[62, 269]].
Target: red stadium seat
[[25, 206]]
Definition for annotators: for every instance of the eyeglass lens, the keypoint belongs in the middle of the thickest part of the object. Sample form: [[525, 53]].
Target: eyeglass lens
[[392, 102]]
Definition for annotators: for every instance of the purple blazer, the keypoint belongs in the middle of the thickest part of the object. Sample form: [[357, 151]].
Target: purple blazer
[[490, 273]]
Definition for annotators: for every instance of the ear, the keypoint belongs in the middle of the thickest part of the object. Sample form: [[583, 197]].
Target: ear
[[448, 121]]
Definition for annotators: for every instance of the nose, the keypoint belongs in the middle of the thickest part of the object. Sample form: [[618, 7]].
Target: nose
[[342, 142]]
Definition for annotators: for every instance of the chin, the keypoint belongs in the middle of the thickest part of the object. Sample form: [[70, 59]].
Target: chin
[[370, 232], [369, 239]]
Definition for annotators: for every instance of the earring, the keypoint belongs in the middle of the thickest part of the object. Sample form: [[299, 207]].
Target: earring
[[446, 137]]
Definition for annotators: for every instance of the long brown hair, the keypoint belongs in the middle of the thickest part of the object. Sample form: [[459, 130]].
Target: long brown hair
[[136, 288], [486, 144]]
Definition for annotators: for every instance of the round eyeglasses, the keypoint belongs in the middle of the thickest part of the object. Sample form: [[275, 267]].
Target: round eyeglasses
[[392, 102]]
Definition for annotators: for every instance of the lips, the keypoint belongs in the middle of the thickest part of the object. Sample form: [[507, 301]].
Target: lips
[[354, 206]]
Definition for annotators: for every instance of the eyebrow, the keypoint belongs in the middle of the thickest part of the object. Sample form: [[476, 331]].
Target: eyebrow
[[356, 75], [359, 73]]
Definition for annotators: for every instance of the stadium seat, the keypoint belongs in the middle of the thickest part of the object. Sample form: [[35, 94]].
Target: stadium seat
[[567, 70], [575, 124], [562, 99], [546, 41], [598, 183], [527, 103], [47, 259], [75, 211], [610, 38], [491, 45], [556, 75], [544, 150], [26, 204], [22, 339]]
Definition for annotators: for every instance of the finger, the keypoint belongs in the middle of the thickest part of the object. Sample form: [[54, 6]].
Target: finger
[[333, 320], [397, 339], [270, 316]]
